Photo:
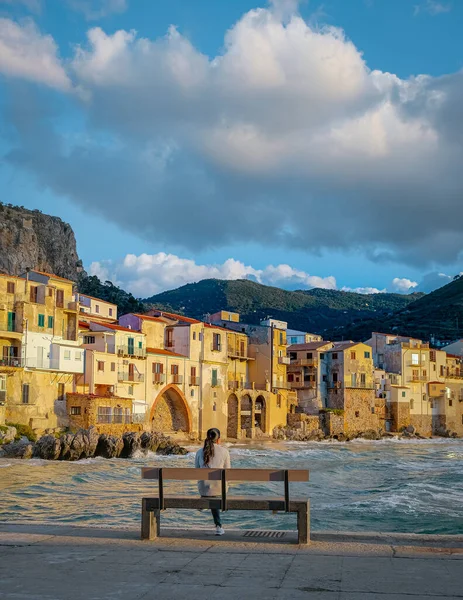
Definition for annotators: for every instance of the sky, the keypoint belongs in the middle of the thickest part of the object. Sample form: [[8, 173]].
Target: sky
[[300, 144]]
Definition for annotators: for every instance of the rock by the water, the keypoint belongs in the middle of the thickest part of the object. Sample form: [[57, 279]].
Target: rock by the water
[[132, 444], [410, 429], [47, 447], [7, 436], [66, 441], [370, 434], [109, 446], [18, 450]]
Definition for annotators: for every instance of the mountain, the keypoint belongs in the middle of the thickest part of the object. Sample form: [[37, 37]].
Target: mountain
[[438, 314], [30, 239], [316, 310]]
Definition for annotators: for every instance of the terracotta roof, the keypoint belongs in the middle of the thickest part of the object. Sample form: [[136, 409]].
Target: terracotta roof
[[343, 345], [221, 327], [116, 327], [99, 299], [11, 276], [454, 355], [165, 352], [175, 316], [84, 325], [308, 346], [148, 318], [51, 275]]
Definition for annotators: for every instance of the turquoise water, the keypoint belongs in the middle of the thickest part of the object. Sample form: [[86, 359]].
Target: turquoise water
[[390, 485]]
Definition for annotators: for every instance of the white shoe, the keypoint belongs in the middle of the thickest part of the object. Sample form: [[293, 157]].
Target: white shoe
[[219, 531]]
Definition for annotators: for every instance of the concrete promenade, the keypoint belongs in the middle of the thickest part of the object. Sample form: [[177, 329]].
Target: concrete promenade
[[43, 562]]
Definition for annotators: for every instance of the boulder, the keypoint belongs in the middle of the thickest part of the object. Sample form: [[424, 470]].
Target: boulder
[[410, 429], [370, 434], [149, 440], [18, 450], [8, 435], [66, 442], [132, 444], [47, 447], [109, 446], [84, 443], [388, 434]]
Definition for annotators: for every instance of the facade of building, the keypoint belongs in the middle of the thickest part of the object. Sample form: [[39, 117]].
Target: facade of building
[[40, 351], [94, 309], [301, 337]]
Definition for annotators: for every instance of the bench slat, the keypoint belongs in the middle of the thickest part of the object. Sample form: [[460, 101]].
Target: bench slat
[[191, 474], [233, 503]]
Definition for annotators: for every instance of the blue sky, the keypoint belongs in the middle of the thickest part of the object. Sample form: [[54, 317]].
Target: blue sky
[[74, 111]]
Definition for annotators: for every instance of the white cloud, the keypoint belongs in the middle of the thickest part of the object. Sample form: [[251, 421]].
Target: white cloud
[[432, 7], [403, 285], [364, 290], [149, 274], [98, 9], [27, 54], [286, 137]]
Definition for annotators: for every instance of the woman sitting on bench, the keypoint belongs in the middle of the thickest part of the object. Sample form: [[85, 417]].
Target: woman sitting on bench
[[212, 456]]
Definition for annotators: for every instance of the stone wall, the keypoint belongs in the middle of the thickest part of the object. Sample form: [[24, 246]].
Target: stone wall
[[400, 415], [422, 424], [358, 413], [305, 423], [88, 416], [332, 424]]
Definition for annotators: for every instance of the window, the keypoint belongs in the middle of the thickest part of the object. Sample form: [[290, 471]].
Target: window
[[194, 335], [78, 355], [89, 339], [113, 366], [415, 359], [431, 404], [97, 308], [110, 312], [10, 287], [130, 390], [201, 336], [105, 414], [432, 356], [169, 338], [59, 298], [50, 322], [11, 321], [193, 371], [425, 373], [450, 402], [442, 371], [128, 418], [357, 413], [174, 369], [404, 394], [41, 320], [192, 393], [76, 410], [118, 415], [61, 391], [335, 377], [363, 379], [325, 378], [353, 355], [130, 345], [100, 365], [157, 367], [415, 374], [335, 355], [353, 379], [67, 355], [309, 355], [214, 378], [366, 354], [33, 293], [322, 356], [50, 292], [216, 344], [412, 404], [293, 340], [140, 345], [281, 338], [372, 410], [290, 377], [279, 401], [25, 393], [2, 383]]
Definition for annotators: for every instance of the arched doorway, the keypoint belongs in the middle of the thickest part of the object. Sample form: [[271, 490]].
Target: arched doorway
[[246, 414], [170, 412], [260, 414], [233, 417]]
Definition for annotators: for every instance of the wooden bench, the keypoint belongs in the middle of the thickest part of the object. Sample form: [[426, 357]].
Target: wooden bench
[[152, 507]]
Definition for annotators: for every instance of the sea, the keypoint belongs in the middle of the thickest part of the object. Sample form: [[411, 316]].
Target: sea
[[391, 485]]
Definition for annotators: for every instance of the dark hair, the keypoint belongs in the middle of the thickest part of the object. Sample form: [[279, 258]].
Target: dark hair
[[208, 449]]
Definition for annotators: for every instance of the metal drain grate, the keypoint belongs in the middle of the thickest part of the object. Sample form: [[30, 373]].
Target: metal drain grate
[[265, 534]]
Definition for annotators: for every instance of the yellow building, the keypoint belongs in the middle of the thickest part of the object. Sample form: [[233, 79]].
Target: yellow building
[[40, 352], [94, 309]]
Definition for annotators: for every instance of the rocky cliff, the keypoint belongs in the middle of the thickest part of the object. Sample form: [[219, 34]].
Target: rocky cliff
[[30, 239]]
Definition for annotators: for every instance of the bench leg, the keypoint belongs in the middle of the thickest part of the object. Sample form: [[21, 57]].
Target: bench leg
[[150, 523], [303, 524]]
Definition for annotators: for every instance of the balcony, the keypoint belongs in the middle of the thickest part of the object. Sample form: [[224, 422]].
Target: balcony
[[233, 385], [416, 365], [216, 348], [281, 385], [417, 378], [126, 377], [304, 362], [131, 351], [236, 353], [283, 360], [2, 397], [216, 383], [194, 380], [177, 379], [11, 361], [158, 378], [71, 307]]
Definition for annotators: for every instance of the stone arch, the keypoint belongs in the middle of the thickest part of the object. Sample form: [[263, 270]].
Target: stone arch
[[260, 414], [233, 419], [246, 410], [170, 412]]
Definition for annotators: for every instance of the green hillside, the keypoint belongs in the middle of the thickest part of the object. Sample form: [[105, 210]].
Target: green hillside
[[438, 314], [316, 310]]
